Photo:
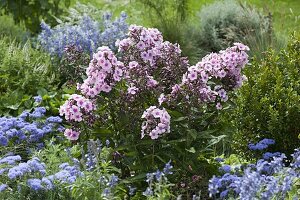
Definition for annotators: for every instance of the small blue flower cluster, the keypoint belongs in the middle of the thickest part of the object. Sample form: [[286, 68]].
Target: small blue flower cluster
[[15, 170], [87, 34], [34, 168], [157, 176], [28, 128], [267, 179], [261, 145]]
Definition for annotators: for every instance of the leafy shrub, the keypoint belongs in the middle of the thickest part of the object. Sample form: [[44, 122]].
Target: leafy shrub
[[12, 31], [32, 12], [23, 71], [268, 104], [225, 22]]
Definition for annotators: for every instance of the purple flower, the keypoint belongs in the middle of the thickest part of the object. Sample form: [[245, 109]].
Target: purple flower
[[38, 99], [35, 184], [3, 187]]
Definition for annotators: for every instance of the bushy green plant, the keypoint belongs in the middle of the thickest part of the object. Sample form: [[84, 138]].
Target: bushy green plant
[[32, 12], [23, 70], [225, 22], [11, 30], [268, 105]]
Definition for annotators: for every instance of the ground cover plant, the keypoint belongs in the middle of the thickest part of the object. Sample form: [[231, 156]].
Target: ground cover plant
[[107, 104]]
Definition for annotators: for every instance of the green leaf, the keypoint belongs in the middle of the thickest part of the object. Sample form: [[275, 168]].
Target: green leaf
[[191, 150]]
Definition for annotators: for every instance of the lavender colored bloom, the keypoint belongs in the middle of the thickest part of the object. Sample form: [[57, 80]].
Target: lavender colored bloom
[[55, 119], [47, 183], [158, 174], [219, 160], [11, 160], [167, 168], [267, 179], [263, 144], [131, 190], [149, 177], [225, 168], [113, 181], [3, 187], [28, 128], [3, 140], [86, 34], [148, 192], [35, 184], [106, 192], [269, 155], [38, 99]]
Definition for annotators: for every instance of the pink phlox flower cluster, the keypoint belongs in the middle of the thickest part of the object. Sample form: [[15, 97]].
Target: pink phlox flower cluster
[[71, 134], [76, 107], [157, 122], [215, 75], [150, 62], [103, 73]]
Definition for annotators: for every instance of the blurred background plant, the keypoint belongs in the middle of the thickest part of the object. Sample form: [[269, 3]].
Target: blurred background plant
[[225, 22], [172, 18], [32, 12]]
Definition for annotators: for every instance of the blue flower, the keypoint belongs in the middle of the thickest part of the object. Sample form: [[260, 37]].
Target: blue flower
[[10, 160], [3, 140], [3, 187], [38, 99], [113, 181], [55, 119], [35, 184], [225, 168], [86, 34], [263, 144], [158, 174], [148, 192], [167, 168], [219, 160], [47, 183]]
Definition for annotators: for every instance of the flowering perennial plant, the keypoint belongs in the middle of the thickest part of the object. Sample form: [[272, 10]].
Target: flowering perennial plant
[[261, 145], [34, 174], [103, 72], [157, 122], [214, 76], [87, 34], [76, 107], [267, 179], [150, 62], [29, 128], [158, 183]]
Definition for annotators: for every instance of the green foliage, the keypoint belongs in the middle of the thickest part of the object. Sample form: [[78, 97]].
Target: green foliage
[[32, 12], [23, 70], [10, 30], [268, 105], [225, 22]]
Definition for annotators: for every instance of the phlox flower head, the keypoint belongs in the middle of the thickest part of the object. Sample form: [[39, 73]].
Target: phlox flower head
[[151, 64], [103, 73], [223, 68], [157, 122], [76, 107], [71, 134]]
